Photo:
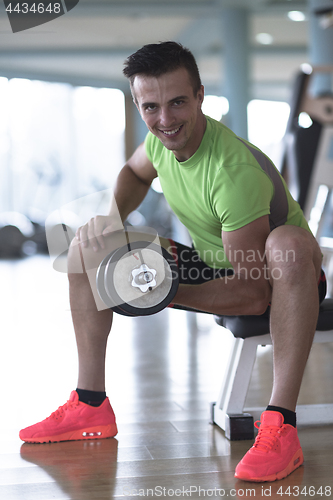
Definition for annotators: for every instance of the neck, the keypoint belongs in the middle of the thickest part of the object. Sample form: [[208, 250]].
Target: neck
[[194, 142]]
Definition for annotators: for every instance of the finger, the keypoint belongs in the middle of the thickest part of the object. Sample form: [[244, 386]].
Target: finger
[[91, 235], [94, 235], [83, 236], [99, 223]]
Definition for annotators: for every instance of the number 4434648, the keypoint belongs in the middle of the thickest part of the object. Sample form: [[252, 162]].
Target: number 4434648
[[35, 8], [311, 491]]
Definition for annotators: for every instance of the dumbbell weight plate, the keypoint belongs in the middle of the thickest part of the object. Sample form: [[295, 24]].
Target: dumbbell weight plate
[[100, 280], [115, 279]]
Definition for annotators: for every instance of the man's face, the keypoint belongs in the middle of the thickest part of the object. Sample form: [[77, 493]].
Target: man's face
[[171, 111]]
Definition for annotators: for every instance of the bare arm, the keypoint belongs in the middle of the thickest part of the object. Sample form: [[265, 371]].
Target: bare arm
[[133, 182], [245, 250], [131, 188], [248, 291]]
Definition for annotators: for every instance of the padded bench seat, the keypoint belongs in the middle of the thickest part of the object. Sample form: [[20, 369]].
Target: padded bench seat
[[252, 326]]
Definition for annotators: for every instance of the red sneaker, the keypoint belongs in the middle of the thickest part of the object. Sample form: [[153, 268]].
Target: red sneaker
[[275, 454], [72, 421]]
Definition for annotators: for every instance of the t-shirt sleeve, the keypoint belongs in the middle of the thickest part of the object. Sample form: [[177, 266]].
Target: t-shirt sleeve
[[241, 195], [148, 146]]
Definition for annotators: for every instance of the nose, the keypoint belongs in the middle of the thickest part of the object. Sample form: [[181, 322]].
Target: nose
[[166, 117]]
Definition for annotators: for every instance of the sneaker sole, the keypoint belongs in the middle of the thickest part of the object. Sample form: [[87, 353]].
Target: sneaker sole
[[107, 431], [294, 463]]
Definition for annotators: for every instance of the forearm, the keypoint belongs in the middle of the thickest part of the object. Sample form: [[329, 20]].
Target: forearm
[[232, 295], [129, 192]]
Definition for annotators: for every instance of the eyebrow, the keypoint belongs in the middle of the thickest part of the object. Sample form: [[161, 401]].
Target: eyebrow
[[174, 99]]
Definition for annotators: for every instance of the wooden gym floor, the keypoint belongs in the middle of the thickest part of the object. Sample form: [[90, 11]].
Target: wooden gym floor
[[162, 373]]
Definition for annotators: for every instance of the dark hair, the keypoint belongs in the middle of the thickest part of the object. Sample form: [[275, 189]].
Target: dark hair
[[156, 59]]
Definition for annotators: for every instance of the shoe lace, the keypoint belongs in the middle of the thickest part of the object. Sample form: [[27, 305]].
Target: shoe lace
[[69, 405], [267, 436]]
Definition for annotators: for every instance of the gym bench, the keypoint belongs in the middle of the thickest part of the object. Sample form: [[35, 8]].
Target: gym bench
[[248, 332]]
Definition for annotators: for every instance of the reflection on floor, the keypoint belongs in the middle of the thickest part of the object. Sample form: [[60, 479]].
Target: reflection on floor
[[162, 373]]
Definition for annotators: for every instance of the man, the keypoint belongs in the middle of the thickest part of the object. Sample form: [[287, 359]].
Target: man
[[255, 247]]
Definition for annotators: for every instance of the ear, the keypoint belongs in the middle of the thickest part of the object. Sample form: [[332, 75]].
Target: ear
[[136, 104], [201, 94], [134, 98], [138, 108]]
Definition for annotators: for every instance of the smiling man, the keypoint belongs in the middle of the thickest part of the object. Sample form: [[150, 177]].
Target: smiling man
[[176, 119], [252, 252]]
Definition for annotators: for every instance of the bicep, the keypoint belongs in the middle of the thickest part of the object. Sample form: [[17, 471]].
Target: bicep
[[245, 247], [141, 166]]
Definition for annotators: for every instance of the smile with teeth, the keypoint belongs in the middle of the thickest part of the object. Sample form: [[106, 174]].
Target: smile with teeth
[[171, 132]]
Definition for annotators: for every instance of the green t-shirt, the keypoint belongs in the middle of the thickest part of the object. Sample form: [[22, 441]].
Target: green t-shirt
[[225, 185]]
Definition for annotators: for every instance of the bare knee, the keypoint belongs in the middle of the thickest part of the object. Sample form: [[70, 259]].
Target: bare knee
[[291, 250]]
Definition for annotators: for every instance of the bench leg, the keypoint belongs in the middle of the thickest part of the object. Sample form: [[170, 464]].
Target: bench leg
[[227, 412]]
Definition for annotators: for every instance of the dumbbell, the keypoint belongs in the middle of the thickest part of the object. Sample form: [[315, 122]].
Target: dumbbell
[[137, 279]]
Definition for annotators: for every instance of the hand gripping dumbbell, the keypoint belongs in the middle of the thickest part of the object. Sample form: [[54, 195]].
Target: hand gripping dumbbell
[[138, 279]]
